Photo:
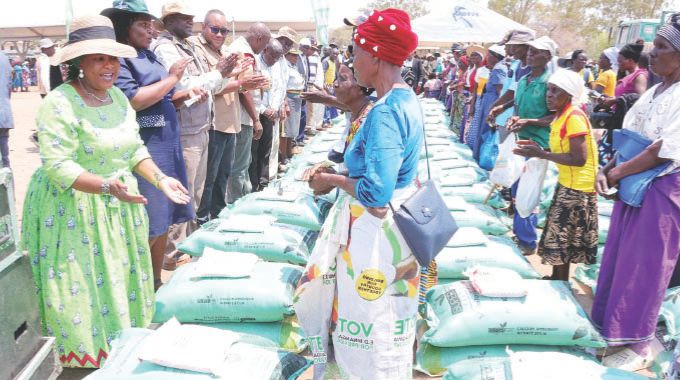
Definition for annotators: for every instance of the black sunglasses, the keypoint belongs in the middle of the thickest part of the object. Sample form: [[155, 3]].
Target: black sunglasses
[[216, 30]]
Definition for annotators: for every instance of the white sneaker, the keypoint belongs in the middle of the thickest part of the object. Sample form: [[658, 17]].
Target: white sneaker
[[628, 360]]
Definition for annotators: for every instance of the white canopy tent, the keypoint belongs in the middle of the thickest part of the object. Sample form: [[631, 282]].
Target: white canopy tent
[[34, 19], [461, 21]]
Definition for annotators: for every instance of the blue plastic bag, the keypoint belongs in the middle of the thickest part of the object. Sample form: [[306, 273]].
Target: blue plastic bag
[[488, 152]]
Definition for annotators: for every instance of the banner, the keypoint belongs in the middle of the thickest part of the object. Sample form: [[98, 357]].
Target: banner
[[320, 9]]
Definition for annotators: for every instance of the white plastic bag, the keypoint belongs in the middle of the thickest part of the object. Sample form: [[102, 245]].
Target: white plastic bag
[[496, 282], [508, 166], [530, 186]]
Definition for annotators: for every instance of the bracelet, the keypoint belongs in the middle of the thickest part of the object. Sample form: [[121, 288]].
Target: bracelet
[[158, 177], [105, 188], [240, 86]]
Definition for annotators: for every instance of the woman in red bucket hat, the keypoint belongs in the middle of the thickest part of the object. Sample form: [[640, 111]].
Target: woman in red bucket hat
[[361, 283]]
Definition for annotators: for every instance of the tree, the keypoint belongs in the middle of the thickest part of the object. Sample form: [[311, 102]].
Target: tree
[[518, 10], [414, 8]]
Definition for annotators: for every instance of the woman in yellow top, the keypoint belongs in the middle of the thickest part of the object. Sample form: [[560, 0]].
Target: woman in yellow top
[[606, 79], [570, 234]]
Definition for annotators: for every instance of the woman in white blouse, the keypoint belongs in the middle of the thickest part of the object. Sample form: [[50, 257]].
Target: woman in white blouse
[[644, 242]]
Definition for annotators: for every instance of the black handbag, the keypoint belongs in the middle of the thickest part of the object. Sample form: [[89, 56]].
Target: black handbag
[[424, 220]]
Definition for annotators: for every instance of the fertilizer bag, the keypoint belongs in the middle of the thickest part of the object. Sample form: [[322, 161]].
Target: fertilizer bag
[[548, 315], [264, 296]]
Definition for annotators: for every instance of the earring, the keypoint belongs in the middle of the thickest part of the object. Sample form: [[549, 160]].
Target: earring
[[81, 74]]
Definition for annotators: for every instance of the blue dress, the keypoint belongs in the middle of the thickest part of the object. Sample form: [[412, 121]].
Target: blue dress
[[159, 129], [384, 154], [483, 107]]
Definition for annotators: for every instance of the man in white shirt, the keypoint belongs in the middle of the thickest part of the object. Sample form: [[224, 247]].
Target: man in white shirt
[[43, 66], [287, 37], [296, 84], [239, 184], [269, 106]]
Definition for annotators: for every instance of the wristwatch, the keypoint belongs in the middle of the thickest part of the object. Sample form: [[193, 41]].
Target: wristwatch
[[105, 188]]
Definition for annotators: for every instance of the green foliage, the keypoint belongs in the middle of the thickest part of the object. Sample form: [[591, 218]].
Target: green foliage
[[415, 8]]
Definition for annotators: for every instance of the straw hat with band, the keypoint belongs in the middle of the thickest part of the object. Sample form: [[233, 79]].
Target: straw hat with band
[[175, 7], [475, 49], [92, 35], [288, 33], [521, 37], [127, 8]]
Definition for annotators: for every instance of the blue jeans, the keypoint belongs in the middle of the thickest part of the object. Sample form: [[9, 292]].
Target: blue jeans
[[524, 228]]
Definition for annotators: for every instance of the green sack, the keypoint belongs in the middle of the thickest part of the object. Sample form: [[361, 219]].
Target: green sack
[[670, 312], [258, 363], [276, 244], [476, 193], [496, 252], [300, 210], [265, 296], [286, 335], [535, 365], [466, 176], [484, 218], [587, 275], [603, 228], [548, 315], [433, 361]]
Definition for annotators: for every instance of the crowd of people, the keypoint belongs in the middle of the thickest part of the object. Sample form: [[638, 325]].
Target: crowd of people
[[155, 130], [566, 110], [150, 134]]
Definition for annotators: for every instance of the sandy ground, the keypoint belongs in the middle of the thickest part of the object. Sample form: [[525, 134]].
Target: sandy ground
[[24, 160]]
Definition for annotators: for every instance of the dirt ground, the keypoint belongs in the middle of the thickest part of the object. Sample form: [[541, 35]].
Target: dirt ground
[[25, 159]]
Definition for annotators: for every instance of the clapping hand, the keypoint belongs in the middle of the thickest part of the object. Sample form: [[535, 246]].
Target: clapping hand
[[227, 64]]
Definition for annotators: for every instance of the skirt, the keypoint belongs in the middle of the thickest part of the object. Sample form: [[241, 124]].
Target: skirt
[[639, 257], [571, 232]]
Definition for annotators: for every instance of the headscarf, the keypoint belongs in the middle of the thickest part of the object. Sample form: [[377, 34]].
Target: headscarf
[[572, 84], [612, 55], [671, 31], [387, 35]]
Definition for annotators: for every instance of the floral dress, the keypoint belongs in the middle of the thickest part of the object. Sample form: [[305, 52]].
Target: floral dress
[[89, 252]]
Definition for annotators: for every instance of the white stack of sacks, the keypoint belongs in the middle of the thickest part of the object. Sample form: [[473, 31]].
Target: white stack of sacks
[[471, 334]]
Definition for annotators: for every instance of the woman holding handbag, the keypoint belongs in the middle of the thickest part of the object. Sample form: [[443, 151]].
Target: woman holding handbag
[[570, 233], [376, 275], [644, 242]]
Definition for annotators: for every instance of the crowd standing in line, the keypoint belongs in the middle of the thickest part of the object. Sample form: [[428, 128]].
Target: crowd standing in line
[[155, 130]]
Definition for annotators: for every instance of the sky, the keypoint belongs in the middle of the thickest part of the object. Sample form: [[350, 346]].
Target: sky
[[52, 12]]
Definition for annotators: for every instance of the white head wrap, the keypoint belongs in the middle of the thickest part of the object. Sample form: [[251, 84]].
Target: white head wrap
[[571, 83], [612, 54]]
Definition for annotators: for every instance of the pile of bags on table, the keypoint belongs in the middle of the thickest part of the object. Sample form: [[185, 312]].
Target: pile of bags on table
[[229, 313], [490, 317]]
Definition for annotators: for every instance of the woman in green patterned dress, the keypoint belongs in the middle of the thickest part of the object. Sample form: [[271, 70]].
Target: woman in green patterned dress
[[84, 223]]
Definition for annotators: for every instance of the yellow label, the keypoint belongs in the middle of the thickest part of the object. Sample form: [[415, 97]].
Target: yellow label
[[371, 284]]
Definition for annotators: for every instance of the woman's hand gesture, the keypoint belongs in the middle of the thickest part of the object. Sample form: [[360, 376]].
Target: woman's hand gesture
[[174, 190]]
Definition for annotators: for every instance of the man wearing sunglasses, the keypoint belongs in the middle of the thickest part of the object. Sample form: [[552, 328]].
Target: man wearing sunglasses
[[226, 122]]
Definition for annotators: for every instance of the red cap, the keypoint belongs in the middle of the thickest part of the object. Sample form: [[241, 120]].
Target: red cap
[[387, 35]]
